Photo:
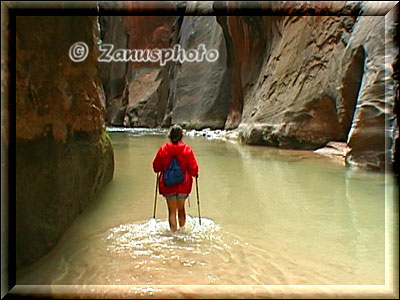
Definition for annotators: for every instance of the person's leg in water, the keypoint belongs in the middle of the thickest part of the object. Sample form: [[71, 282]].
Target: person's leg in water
[[180, 205], [172, 207]]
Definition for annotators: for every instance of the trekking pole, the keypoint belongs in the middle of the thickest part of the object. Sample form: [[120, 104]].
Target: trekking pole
[[155, 198], [198, 202]]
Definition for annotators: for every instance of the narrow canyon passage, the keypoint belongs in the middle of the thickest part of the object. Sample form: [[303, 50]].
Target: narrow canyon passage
[[269, 217], [298, 187]]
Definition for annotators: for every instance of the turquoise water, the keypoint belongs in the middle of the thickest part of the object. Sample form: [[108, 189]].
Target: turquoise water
[[269, 217]]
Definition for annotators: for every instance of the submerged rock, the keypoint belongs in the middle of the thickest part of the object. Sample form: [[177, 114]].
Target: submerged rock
[[335, 150]]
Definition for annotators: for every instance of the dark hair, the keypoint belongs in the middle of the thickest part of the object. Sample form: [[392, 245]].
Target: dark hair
[[175, 134]]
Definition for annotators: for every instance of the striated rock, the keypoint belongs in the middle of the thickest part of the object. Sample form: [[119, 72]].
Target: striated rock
[[113, 74], [149, 32], [174, 97], [353, 71], [297, 80], [135, 32], [302, 8], [143, 101], [247, 38], [374, 105], [395, 151], [200, 91], [293, 102], [63, 154], [116, 109]]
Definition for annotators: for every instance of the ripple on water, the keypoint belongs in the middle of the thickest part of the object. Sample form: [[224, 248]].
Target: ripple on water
[[153, 236], [153, 249], [148, 253]]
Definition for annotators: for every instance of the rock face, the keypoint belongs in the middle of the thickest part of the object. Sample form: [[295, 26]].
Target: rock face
[[6, 257], [372, 108], [63, 154], [246, 39], [395, 149], [143, 100], [373, 126], [293, 81], [292, 103], [113, 74], [127, 106], [200, 91]]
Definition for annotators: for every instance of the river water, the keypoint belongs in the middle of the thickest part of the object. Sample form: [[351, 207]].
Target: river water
[[268, 217]]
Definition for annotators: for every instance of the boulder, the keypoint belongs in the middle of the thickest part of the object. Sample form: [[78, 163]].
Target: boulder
[[335, 150]]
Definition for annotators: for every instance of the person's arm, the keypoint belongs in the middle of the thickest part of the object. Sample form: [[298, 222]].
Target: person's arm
[[157, 162], [193, 167]]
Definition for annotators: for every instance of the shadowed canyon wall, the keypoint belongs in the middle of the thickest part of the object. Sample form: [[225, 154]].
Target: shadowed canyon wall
[[290, 81], [136, 93], [63, 154]]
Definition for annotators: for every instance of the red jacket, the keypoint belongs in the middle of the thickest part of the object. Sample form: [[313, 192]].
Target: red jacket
[[187, 161]]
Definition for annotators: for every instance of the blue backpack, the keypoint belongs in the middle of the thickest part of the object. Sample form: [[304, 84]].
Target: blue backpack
[[174, 174]]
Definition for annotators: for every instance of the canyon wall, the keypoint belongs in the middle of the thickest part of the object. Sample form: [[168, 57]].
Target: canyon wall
[[294, 81], [370, 137], [63, 154], [297, 80], [292, 103], [136, 92]]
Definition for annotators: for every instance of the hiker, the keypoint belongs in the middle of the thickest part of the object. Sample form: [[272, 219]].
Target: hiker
[[176, 194]]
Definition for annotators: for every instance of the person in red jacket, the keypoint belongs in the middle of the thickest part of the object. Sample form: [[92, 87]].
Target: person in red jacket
[[178, 193]]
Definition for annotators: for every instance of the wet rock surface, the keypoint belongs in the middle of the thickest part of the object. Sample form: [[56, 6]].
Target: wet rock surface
[[335, 150]]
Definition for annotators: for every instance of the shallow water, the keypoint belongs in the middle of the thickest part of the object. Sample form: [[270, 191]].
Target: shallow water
[[268, 216]]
